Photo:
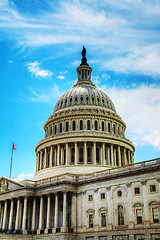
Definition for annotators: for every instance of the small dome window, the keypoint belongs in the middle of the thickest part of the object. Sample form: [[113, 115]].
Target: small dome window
[[107, 102], [119, 193], [102, 100], [76, 99], [92, 98], [58, 104], [81, 98], [70, 99], [61, 103], [97, 99], [87, 98], [66, 101]]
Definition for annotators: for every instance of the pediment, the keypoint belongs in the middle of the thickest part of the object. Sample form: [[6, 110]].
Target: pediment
[[9, 184]]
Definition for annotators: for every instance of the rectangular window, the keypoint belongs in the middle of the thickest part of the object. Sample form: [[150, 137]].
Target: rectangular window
[[139, 216], [102, 195], [155, 215], [137, 190], [91, 221], [103, 238], [90, 198], [89, 238], [152, 188], [103, 219]]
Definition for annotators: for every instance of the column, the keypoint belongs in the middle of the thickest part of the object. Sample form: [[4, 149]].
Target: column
[[108, 155], [74, 212], [45, 158], [103, 162], [51, 156], [67, 157], [41, 215], [129, 157], [94, 153], [64, 225], [76, 153], [48, 213], [41, 160], [85, 153], [62, 156], [56, 213], [119, 156], [55, 155], [34, 215], [58, 148], [4, 216], [11, 215], [24, 216], [112, 157], [125, 157]]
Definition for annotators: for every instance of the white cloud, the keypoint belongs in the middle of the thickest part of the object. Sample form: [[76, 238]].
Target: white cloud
[[61, 77], [37, 71], [10, 61], [140, 109], [24, 176]]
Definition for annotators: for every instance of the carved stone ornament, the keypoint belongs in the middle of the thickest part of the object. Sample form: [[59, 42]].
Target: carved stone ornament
[[3, 186]]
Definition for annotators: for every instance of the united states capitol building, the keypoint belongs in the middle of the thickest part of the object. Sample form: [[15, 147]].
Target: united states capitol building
[[86, 185]]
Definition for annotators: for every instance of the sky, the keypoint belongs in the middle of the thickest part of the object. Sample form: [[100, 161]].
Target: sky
[[40, 48]]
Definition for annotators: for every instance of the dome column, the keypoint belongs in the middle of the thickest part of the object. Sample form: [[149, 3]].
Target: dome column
[[94, 153], [103, 154], [41, 160], [64, 226], [67, 157], [51, 156], [112, 156], [76, 153], [108, 155], [119, 155], [85, 153], [125, 157], [129, 157], [58, 151]]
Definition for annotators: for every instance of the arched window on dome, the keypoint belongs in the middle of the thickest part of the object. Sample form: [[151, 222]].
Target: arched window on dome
[[120, 215], [96, 125], [55, 129], [109, 127], [60, 127], [114, 129], [74, 125], [67, 126], [103, 126], [81, 155], [73, 155], [81, 125], [118, 130], [89, 155], [97, 155], [88, 125]]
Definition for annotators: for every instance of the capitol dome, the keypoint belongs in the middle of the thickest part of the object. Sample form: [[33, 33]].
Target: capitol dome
[[84, 134]]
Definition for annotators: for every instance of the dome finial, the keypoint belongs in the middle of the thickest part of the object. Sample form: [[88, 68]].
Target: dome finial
[[84, 59]]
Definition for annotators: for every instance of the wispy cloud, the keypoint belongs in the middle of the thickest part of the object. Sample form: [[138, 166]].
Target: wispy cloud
[[140, 109], [24, 176], [37, 71], [61, 77]]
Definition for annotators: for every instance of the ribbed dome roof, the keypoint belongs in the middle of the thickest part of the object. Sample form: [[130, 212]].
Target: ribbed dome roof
[[84, 95]]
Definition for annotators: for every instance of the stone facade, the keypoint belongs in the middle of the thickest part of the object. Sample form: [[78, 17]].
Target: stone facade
[[86, 184]]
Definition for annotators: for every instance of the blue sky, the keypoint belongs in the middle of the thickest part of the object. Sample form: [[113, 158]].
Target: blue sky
[[40, 46]]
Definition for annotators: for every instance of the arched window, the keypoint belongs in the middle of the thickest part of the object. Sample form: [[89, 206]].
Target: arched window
[[114, 129], [102, 126], [120, 215], [89, 154], [97, 155], [81, 125], [55, 129], [95, 125], [118, 130], [74, 125], [60, 127], [88, 125], [73, 155], [81, 155], [109, 127], [67, 128], [53, 159]]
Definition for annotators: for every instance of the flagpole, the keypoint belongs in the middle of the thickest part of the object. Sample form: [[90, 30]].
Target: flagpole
[[11, 161]]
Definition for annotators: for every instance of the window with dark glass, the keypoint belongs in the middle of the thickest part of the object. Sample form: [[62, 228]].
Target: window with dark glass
[[103, 219], [55, 129], [89, 154], [90, 220], [72, 155], [119, 193], [109, 127], [53, 159], [102, 126], [90, 198], [114, 129], [92, 98], [70, 99], [95, 125], [74, 125], [120, 215], [97, 99], [67, 127], [102, 195], [155, 215], [102, 100], [81, 155], [118, 130], [76, 99], [64, 156], [81, 99], [66, 101], [137, 190], [152, 188], [139, 216], [60, 127], [117, 162], [88, 125], [97, 154], [81, 125], [87, 98]]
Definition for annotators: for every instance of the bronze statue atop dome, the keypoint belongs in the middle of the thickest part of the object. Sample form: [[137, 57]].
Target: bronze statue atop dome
[[84, 59]]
